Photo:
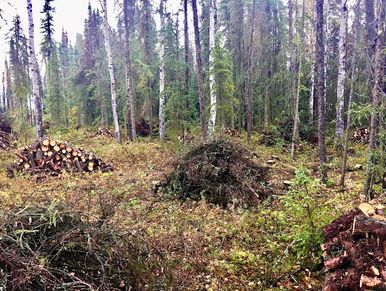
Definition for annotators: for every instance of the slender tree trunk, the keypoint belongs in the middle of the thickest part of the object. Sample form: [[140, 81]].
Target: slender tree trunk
[[341, 78], [356, 27], [34, 68], [320, 88], [370, 44], [248, 82], [312, 95], [296, 121], [3, 104], [200, 73], [186, 48], [128, 6], [107, 34], [212, 77], [377, 94], [162, 97], [292, 53]]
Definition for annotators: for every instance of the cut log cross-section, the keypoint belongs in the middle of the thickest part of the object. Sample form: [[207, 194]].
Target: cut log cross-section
[[51, 157]]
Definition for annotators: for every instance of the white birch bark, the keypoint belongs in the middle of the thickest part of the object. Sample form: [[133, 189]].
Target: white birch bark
[[341, 77], [34, 69], [107, 35], [312, 95], [162, 98], [212, 78]]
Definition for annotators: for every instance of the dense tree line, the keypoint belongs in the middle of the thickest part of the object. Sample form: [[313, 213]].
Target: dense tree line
[[249, 64]]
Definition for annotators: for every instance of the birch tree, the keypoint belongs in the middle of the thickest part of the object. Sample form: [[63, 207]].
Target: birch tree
[[200, 73], [162, 97], [34, 69], [320, 87], [128, 6], [356, 27], [107, 34], [341, 78], [212, 77], [377, 93], [295, 130]]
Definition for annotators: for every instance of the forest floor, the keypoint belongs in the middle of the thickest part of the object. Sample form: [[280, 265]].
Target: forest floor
[[202, 246]]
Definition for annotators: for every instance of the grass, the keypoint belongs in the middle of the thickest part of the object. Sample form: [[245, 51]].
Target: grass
[[203, 246]]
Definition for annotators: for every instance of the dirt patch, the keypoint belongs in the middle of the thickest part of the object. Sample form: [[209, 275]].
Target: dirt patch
[[48, 248], [355, 250], [222, 172]]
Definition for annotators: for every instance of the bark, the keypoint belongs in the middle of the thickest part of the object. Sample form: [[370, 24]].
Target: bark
[[356, 27], [34, 69], [107, 35], [248, 82], [295, 131], [312, 95], [130, 90], [212, 77], [320, 87], [3, 105], [292, 53], [377, 94], [370, 43], [186, 44], [341, 78], [200, 74], [162, 97]]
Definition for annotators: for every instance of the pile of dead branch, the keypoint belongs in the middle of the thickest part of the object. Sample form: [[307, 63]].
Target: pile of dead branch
[[5, 142], [49, 157], [49, 248], [222, 172], [355, 250], [105, 132], [361, 135], [282, 131]]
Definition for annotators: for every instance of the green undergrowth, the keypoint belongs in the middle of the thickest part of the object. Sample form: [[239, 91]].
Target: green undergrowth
[[273, 245]]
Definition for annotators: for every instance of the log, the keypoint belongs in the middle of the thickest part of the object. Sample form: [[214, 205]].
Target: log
[[365, 225], [50, 158]]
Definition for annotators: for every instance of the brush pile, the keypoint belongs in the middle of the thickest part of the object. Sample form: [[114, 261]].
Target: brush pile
[[105, 132], [222, 172], [49, 248], [4, 140], [49, 157], [361, 135], [355, 250]]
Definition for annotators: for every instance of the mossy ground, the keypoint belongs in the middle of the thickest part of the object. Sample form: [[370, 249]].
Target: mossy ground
[[203, 246]]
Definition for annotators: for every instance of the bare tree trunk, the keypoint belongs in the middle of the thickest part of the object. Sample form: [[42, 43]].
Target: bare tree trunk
[[377, 94], [312, 95], [162, 97], [292, 53], [248, 82], [320, 88], [186, 44], [212, 77], [296, 121], [128, 6], [356, 27], [3, 105], [341, 78], [200, 74], [370, 44], [107, 34], [34, 69]]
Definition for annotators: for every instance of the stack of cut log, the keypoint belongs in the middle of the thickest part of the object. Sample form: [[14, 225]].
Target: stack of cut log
[[49, 157], [361, 135], [355, 250], [102, 131], [4, 140]]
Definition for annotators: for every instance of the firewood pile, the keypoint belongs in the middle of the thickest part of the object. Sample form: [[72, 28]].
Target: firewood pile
[[4, 140], [49, 157], [355, 250], [361, 135], [102, 131]]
